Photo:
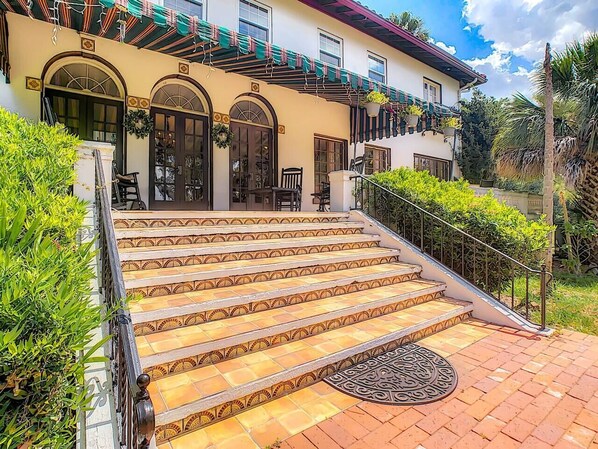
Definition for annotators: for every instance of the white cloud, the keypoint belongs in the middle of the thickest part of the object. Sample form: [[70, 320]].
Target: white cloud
[[448, 48], [466, 28], [521, 29]]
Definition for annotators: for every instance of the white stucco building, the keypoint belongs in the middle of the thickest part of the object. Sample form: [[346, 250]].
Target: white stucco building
[[288, 77]]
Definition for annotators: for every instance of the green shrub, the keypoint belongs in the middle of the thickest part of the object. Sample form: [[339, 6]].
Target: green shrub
[[491, 221], [38, 172], [46, 318]]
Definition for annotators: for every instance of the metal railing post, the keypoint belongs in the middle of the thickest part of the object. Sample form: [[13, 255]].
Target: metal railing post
[[543, 296]]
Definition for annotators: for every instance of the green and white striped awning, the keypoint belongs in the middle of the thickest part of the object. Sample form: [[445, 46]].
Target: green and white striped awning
[[153, 27]]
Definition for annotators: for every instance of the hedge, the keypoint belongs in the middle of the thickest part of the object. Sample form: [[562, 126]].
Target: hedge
[[46, 317], [486, 218]]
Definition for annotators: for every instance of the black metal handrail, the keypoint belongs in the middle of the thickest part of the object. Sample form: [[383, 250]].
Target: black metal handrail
[[136, 419], [489, 269]]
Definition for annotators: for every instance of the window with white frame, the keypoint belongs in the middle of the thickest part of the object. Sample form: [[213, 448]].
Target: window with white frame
[[432, 91], [331, 49], [190, 7], [376, 68], [254, 20]]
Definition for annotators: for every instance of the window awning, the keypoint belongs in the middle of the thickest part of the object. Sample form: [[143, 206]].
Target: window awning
[[153, 27]]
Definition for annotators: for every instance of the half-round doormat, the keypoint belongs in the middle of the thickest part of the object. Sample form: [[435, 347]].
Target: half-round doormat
[[408, 375]]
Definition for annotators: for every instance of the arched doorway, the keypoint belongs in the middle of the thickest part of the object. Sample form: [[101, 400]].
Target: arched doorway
[[252, 154], [179, 148], [88, 98]]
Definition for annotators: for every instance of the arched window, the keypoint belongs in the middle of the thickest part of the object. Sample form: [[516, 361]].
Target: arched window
[[87, 78], [178, 96], [248, 111]]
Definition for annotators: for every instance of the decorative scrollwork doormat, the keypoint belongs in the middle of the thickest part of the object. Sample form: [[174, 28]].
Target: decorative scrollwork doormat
[[408, 375]]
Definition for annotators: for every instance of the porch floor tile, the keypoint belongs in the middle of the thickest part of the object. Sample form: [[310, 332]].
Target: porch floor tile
[[495, 366]]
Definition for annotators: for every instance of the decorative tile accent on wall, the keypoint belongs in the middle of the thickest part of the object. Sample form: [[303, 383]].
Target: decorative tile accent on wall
[[255, 87], [219, 117], [281, 129], [88, 44], [183, 68], [138, 102], [33, 83]]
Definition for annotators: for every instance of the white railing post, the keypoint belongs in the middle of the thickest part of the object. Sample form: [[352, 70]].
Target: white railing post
[[85, 169], [341, 190]]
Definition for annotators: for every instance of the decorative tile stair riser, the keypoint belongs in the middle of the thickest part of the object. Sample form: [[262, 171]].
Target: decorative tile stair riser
[[206, 350], [243, 308], [238, 310], [172, 429]]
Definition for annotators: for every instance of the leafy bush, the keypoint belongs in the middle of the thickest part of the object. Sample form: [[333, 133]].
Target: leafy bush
[[491, 221], [38, 172], [46, 317]]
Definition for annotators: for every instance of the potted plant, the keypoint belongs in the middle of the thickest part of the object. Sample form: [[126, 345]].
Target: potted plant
[[449, 125], [412, 115], [373, 101]]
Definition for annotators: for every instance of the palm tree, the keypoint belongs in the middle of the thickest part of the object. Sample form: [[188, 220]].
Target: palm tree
[[411, 23], [519, 147]]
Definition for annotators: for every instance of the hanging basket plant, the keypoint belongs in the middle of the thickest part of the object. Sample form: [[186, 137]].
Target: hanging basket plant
[[373, 101], [412, 115], [222, 135], [138, 122]]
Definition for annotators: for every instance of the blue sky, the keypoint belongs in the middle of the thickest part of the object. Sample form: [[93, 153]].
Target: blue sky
[[501, 38]]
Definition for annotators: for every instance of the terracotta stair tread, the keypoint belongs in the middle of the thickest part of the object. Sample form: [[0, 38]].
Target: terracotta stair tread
[[178, 396], [197, 301], [175, 344], [162, 276], [178, 231], [164, 251]]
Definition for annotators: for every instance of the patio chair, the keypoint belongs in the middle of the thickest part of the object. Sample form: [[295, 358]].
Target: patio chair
[[357, 164], [289, 192], [323, 197], [125, 191]]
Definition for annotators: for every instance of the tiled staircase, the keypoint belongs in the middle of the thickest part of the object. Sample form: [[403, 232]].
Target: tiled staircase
[[239, 309]]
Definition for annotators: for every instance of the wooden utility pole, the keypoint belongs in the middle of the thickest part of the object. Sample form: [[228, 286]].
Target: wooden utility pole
[[548, 204]]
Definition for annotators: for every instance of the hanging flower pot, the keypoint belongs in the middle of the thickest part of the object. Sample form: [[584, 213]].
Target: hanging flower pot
[[373, 101], [413, 113], [449, 125], [373, 109]]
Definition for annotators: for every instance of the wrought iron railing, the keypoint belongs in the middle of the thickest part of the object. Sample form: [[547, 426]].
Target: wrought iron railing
[[495, 273], [135, 411]]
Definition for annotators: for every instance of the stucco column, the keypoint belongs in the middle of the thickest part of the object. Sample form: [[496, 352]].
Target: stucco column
[[85, 168], [341, 190]]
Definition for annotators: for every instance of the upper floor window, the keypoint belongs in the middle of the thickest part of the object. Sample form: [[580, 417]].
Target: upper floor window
[[331, 49], [432, 91], [190, 7], [254, 20], [377, 159], [376, 68], [441, 168]]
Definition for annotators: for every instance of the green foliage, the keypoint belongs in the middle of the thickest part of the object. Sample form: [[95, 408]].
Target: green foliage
[[450, 122], [46, 318], [414, 109], [376, 97], [411, 23], [481, 117], [491, 221], [38, 172]]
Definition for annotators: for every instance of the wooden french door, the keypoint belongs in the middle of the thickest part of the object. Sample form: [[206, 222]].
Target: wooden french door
[[251, 166], [179, 161], [91, 118]]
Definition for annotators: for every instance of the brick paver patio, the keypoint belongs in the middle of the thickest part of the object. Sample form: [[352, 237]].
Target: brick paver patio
[[516, 390]]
